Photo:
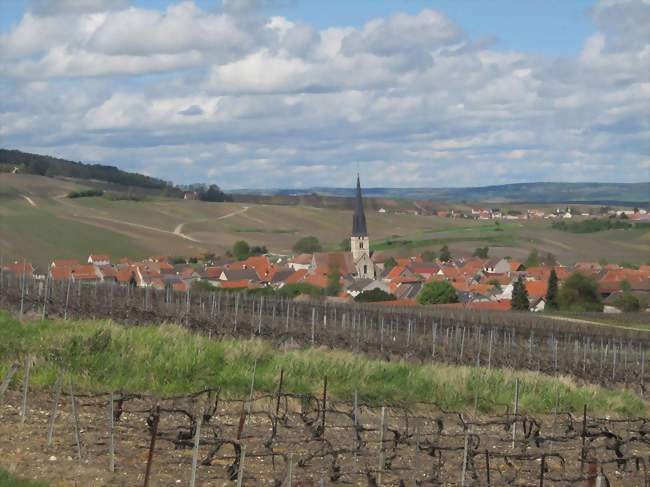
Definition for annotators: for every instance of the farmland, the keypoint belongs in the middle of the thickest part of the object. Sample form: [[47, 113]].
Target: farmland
[[55, 226]]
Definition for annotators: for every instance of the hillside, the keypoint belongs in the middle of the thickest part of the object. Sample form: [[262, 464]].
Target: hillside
[[594, 193], [38, 222]]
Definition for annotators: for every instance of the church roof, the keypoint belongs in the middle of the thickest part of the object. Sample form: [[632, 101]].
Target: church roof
[[359, 228]]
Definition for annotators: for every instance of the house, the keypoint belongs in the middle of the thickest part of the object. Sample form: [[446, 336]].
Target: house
[[99, 259], [238, 275], [19, 268], [64, 263], [302, 261], [362, 285], [191, 196], [497, 265], [86, 273]]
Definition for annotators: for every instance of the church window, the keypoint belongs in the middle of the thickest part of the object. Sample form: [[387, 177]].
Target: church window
[[365, 269]]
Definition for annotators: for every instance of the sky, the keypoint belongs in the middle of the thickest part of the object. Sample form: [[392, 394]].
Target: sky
[[300, 93]]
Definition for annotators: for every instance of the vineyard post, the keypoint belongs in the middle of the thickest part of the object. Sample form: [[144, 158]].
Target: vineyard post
[[382, 429], [152, 445], [75, 421], [584, 436], [490, 348], [67, 299], [381, 336], [195, 450], [355, 411], [290, 470], [55, 408], [487, 467], [45, 292], [324, 407], [613, 362], [1, 273], [464, 469], [111, 434], [23, 407], [557, 405], [313, 324], [277, 403], [8, 376], [643, 373], [240, 472], [541, 470], [516, 412], [22, 288], [259, 323], [252, 389]]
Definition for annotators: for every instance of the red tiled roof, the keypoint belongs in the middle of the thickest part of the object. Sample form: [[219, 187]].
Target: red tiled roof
[[64, 262], [19, 268], [537, 289], [86, 272], [234, 284], [502, 305], [60, 273], [96, 257], [296, 276]]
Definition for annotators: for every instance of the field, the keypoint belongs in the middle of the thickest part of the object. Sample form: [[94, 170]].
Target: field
[[39, 223]]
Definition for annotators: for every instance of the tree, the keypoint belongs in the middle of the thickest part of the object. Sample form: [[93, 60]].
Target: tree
[[533, 258], [374, 295], [551, 293], [580, 293], [481, 252], [428, 256], [549, 259], [520, 301], [241, 250], [445, 255], [259, 250], [437, 292], [333, 282], [307, 245], [625, 285], [346, 245], [389, 263], [627, 302]]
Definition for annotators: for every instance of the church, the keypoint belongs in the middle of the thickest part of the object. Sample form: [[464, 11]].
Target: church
[[359, 241]]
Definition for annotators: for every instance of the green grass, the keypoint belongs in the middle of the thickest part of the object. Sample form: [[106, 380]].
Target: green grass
[[498, 240], [167, 359], [8, 480]]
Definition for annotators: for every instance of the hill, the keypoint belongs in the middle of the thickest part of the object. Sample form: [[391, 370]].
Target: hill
[[592, 193]]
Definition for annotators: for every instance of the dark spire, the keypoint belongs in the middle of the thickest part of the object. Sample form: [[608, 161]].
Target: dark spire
[[359, 219]]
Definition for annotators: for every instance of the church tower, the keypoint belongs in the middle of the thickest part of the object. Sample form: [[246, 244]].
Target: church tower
[[359, 242]]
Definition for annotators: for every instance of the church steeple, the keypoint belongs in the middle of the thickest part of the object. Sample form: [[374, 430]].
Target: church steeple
[[359, 228]]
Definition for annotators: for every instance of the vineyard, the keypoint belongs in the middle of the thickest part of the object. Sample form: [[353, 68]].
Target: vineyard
[[601, 355], [300, 439], [277, 436]]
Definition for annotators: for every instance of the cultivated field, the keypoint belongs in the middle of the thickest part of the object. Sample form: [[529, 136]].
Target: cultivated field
[[39, 223]]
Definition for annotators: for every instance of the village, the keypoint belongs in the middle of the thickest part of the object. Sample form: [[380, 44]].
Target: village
[[475, 282]]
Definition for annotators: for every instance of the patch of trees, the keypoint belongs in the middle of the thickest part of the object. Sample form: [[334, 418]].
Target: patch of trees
[[627, 302], [241, 250], [437, 292], [86, 193], [593, 225], [520, 299], [579, 293], [211, 193], [374, 296], [307, 245], [481, 252]]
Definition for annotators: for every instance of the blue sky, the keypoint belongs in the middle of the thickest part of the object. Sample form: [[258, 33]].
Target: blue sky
[[296, 93]]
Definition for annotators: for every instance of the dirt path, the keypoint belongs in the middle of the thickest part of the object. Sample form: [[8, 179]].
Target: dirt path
[[179, 228], [597, 323], [30, 201], [231, 214], [138, 225]]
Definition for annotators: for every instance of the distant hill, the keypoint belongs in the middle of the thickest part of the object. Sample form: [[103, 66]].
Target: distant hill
[[54, 167], [593, 193]]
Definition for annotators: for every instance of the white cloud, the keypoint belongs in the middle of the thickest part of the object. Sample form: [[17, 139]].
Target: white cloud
[[188, 94]]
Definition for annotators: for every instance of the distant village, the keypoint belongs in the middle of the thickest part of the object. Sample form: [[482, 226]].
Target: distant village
[[357, 274]]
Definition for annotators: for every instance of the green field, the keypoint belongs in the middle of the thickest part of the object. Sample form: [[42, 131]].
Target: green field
[[8, 480], [55, 226], [167, 359]]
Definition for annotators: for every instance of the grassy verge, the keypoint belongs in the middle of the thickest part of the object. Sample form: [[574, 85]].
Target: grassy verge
[[8, 480], [167, 359]]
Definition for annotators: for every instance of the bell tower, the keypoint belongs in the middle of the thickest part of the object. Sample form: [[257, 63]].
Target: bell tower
[[359, 241]]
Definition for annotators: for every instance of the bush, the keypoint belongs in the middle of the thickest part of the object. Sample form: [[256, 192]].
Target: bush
[[437, 292], [86, 193], [580, 293], [293, 290], [627, 302], [241, 250], [374, 295], [307, 245]]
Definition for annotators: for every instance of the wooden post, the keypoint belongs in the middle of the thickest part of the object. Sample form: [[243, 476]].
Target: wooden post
[[514, 423], [7, 380], [240, 473], [381, 443], [277, 403], [152, 445], [55, 408], [290, 471], [487, 467], [584, 437], [195, 450], [23, 407], [324, 407], [111, 434], [313, 325], [541, 470], [22, 288], [45, 293], [67, 299], [75, 421], [252, 389], [464, 469]]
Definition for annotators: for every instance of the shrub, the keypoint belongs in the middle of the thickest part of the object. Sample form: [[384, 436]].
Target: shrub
[[241, 250], [627, 302], [580, 293], [374, 295], [437, 292], [307, 245], [86, 193]]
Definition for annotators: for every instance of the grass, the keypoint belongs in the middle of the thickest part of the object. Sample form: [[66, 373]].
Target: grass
[[167, 359], [503, 240], [8, 480]]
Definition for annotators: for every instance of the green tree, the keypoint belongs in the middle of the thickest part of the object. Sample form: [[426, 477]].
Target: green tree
[[373, 296], [445, 254], [346, 245], [520, 301], [437, 292], [241, 250], [428, 256], [627, 302], [551, 293], [333, 282], [307, 245], [533, 258], [481, 252], [389, 263], [625, 285], [580, 293]]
